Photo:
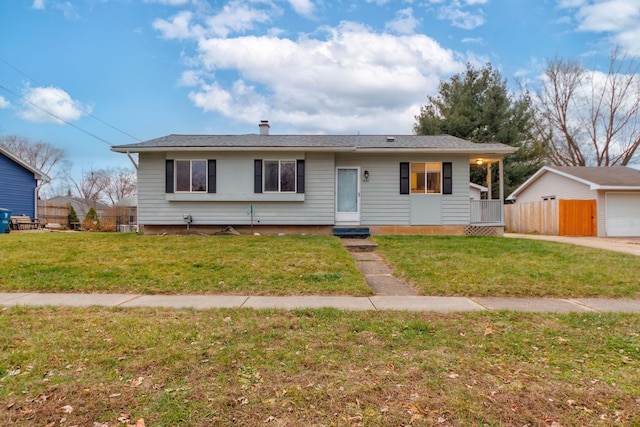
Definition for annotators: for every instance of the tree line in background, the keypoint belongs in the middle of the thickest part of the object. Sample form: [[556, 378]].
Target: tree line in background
[[576, 117], [95, 185]]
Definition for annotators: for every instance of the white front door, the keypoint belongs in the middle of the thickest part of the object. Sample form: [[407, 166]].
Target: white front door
[[348, 195]]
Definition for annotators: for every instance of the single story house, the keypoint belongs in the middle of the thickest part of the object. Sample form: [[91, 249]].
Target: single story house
[[476, 191], [389, 184], [614, 192], [80, 205], [19, 185]]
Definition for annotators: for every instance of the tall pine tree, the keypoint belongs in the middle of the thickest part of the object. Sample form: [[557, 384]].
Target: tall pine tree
[[475, 105]]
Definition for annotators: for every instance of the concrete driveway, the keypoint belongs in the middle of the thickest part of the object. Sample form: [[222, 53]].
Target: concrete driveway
[[628, 245]]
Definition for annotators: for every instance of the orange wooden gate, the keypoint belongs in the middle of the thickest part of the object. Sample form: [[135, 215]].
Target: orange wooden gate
[[578, 218]]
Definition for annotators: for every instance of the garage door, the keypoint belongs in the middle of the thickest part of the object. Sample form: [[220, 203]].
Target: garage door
[[623, 214]]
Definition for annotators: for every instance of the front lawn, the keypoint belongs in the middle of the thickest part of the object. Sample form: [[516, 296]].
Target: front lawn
[[308, 265], [110, 367], [128, 263], [496, 266]]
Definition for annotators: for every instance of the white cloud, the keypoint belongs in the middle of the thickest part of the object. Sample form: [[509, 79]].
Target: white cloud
[[234, 17], [4, 103], [618, 18], [170, 2], [38, 4], [177, 28], [352, 77], [459, 17], [302, 7], [40, 101], [473, 40], [404, 23]]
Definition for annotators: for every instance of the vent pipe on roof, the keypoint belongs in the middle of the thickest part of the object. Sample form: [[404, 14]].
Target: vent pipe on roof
[[264, 127]]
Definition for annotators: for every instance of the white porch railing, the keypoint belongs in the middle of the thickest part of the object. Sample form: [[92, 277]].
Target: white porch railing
[[486, 212]]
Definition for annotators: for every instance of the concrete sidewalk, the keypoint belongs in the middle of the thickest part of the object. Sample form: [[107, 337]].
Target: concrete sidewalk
[[379, 302]]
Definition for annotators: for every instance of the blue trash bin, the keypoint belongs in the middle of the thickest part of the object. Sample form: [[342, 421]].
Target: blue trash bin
[[5, 218]]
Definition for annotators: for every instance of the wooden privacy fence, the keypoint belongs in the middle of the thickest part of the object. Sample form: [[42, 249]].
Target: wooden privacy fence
[[53, 213], [552, 217], [534, 217]]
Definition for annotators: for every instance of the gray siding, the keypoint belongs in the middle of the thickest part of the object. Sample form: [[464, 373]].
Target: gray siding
[[232, 202], [456, 207], [382, 203], [551, 184]]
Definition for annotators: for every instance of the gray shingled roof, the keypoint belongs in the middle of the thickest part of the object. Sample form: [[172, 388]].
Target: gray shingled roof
[[337, 142], [605, 176]]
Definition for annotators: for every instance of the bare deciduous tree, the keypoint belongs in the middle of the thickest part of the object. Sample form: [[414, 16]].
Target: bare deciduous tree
[[91, 185], [105, 185], [121, 183], [590, 118], [41, 155]]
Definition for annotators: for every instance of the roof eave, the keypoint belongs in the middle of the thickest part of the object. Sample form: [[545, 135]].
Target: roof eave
[[467, 150], [616, 187]]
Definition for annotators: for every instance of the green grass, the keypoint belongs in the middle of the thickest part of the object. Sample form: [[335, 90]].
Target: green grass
[[317, 367], [308, 265], [124, 262], [495, 266]]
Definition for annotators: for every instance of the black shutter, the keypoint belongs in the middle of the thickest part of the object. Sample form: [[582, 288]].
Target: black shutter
[[300, 176], [168, 180], [212, 176], [447, 178], [257, 176], [404, 178]]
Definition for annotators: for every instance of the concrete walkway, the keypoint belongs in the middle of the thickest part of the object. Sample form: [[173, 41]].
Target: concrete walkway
[[374, 269], [379, 302]]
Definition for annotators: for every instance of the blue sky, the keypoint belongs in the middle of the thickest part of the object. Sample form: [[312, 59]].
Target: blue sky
[[118, 71]]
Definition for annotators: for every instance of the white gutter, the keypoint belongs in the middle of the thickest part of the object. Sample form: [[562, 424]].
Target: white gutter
[[615, 187], [478, 150]]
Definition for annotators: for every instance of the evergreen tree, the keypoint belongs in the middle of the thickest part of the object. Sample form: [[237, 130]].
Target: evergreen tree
[[476, 105], [91, 220], [73, 216]]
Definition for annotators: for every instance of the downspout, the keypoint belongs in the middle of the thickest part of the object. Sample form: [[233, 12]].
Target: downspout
[[501, 178], [36, 196]]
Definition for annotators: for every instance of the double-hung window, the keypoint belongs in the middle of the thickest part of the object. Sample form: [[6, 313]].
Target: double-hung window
[[191, 176], [280, 176], [426, 178]]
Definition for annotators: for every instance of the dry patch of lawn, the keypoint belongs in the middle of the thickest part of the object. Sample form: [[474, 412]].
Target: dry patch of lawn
[[63, 367], [495, 266], [125, 262]]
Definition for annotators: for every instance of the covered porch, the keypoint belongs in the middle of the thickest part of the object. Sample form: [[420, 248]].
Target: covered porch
[[489, 210]]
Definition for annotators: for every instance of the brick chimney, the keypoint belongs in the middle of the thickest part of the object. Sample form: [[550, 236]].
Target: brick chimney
[[264, 127]]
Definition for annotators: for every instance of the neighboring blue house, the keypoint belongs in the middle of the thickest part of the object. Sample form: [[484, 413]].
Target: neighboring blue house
[[19, 185]]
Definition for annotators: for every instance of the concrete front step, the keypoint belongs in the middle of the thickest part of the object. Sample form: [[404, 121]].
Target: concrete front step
[[359, 245]]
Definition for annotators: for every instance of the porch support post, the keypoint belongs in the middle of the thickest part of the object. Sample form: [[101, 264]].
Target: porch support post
[[489, 196], [501, 175]]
